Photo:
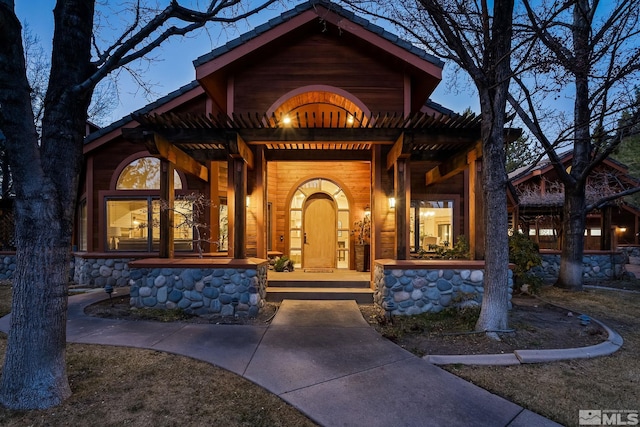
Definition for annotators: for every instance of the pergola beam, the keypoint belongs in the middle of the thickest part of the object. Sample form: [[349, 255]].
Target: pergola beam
[[399, 150], [157, 144], [453, 166], [237, 147]]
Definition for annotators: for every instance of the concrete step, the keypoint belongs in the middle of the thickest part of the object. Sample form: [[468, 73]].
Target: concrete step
[[319, 284], [359, 294]]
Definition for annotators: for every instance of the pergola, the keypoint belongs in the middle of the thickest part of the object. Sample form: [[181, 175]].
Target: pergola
[[194, 143]]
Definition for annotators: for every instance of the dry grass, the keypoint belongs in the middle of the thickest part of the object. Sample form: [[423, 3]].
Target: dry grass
[[558, 390], [115, 386]]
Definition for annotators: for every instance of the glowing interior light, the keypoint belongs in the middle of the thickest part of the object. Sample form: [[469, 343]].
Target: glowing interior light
[[286, 120]]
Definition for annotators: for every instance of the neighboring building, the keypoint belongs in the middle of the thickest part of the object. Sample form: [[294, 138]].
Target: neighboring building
[[541, 199], [294, 131]]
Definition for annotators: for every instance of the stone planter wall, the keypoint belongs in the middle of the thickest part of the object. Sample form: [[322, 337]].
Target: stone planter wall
[[99, 272], [226, 287], [596, 265], [413, 287]]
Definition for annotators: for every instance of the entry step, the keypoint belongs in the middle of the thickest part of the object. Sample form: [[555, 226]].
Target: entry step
[[360, 295], [318, 284]]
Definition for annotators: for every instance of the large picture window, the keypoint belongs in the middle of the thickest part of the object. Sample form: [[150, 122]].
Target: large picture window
[[431, 224], [134, 225]]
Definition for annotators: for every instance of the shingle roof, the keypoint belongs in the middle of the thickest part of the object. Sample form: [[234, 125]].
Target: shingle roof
[[144, 110], [303, 7]]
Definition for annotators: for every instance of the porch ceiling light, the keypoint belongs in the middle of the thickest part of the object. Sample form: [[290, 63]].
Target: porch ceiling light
[[286, 120]]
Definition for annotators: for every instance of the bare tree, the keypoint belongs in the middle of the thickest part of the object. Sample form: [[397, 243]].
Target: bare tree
[[593, 47], [190, 209], [46, 170], [477, 38]]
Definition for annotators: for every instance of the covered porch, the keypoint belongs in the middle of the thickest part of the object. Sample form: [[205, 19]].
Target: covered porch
[[419, 151]]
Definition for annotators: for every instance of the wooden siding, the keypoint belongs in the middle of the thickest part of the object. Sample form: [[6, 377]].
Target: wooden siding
[[320, 58]]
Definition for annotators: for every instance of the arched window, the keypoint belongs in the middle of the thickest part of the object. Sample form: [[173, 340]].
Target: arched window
[[144, 174]]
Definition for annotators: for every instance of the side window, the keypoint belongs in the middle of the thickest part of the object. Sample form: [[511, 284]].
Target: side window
[[431, 224]]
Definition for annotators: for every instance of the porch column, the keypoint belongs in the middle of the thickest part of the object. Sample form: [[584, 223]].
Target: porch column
[[237, 195], [167, 195], [213, 211], [378, 202], [402, 187], [606, 239], [475, 209], [260, 198]]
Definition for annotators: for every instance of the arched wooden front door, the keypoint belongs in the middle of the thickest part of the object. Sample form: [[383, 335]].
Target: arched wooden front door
[[319, 232]]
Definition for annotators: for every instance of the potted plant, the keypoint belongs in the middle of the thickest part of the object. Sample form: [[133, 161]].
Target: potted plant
[[362, 232]]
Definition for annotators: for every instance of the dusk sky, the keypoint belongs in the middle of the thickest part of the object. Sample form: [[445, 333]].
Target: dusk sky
[[173, 68]]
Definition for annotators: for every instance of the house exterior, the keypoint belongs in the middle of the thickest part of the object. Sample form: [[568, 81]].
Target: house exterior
[[291, 134], [311, 150], [541, 198]]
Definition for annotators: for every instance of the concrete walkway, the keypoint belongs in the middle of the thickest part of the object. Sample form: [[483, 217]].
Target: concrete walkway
[[320, 356]]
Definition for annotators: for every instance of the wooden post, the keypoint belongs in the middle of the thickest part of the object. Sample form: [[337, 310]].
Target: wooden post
[[378, 201], [167, 195], [213, 211], [474, 201], [402, 186], [261, 202], [606, 240], [236, 200]]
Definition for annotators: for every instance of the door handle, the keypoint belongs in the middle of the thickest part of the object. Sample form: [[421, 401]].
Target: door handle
[[305, 238]]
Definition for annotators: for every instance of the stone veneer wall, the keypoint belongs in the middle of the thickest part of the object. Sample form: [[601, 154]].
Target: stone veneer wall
[[99, 272], [225, 287], [596, 265], [413, 287]]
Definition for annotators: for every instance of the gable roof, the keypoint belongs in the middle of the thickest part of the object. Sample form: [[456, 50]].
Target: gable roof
[[525, 173], [315, 17], [250, 41], [312, 5]]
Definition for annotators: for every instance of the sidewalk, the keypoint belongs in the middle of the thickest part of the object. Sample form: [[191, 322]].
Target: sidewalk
[[321, 357]]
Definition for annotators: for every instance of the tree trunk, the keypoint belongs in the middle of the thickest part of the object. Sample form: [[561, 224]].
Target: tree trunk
[[45, 181], [495, 302], [574, 219], [493, 90], [34, 374], [573, 225]]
